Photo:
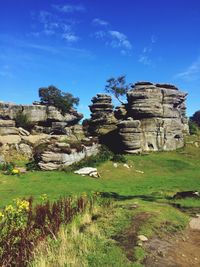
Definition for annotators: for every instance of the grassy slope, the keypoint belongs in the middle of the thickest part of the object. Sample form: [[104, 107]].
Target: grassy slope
[[164, 174]]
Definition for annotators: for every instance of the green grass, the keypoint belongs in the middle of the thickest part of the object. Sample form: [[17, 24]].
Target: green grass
[[165, 173]]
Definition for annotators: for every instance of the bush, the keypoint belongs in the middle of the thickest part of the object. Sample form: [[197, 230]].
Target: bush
[[23, 121], [23, 226], [55, 97], [196, 118], [119, 158], [193, 128]]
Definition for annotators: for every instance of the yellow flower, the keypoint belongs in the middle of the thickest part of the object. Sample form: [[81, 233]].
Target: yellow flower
[[9, 209], [22, 205], [1, 215], [15, 171]]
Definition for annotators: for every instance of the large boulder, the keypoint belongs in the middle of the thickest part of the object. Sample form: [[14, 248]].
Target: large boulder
[[160, 109]]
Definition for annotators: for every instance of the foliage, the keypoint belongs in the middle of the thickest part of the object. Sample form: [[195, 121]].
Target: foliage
[[196, 118], [119, 158], [22, 120], [193, 128], [53, 96], [117, 87], [8, 167], [22, 226]]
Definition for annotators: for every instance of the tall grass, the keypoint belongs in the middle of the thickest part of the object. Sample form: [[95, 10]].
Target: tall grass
[[23, 226]]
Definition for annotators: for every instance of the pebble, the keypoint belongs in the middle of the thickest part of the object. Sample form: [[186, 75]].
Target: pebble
[[142, 238]]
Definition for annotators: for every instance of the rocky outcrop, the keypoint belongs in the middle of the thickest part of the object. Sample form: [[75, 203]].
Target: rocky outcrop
[[157, 119], [102, 115], [60, 155], [46, 119], [153, 119]]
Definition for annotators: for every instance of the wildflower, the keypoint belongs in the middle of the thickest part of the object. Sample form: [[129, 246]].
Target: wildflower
[[22, 205], [9, 209], [15, 171], [1, 216]]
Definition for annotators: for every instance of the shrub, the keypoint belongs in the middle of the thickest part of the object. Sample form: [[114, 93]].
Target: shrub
[[23, 121], [196, 118], [23, 226], [119, 158], [53, 96], [193, 128]]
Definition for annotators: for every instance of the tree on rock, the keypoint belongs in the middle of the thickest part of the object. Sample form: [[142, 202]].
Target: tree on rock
[[196, 117], [53, 96], [117, 87]]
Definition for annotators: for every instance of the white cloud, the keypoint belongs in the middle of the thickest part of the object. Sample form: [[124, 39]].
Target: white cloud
[[192, 73], [69, 8], [100, 34], [57, 26], [145, 60], [115, 39], [70, 37], [119, 40], [145, 57], [99, 22]]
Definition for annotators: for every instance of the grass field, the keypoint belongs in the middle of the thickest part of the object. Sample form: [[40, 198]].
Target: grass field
[[164, 174], [148, 184]]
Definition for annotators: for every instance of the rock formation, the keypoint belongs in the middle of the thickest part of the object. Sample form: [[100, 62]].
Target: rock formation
[[153, 119], [46, 122], [102, 115], [58, 155]]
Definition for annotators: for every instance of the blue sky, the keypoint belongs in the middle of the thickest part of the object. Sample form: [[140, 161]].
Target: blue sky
[[78, 45]]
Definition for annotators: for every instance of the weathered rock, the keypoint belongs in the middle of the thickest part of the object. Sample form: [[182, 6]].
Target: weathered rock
[[23, 132], [2, 159], [7, 123], [10, 139], [158, 118], [8, 131], [102, 119], [45, 116], [51, 160], [25, 149], [86, 171]]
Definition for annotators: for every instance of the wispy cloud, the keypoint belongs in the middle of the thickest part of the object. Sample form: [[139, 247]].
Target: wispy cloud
[[69, 8], [115, 39], [145, 56], [70, 37], [192, 73], [119, 40], [99, 22], [56, 26]]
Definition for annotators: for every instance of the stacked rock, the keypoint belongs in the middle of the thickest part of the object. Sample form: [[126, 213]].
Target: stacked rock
[[102, 115], [131, 135], [161, 111]]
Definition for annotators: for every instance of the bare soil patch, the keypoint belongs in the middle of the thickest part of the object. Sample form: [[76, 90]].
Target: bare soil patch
[[175, 251], [127, 240]]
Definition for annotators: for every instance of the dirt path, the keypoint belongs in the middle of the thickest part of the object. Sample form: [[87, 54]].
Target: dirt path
[[178, 251]]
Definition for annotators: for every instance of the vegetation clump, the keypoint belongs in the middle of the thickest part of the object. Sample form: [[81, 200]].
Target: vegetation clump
[[53, 96], [22, 120]]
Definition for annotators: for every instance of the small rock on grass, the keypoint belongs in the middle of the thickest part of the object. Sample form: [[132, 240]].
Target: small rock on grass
[[142, 238]]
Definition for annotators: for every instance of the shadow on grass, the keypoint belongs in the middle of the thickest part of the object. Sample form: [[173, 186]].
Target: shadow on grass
[[153, 198], [116, 196]]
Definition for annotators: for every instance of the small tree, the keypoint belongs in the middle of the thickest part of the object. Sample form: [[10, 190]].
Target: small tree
[[196, 118], [117, 87], [55, 97]]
